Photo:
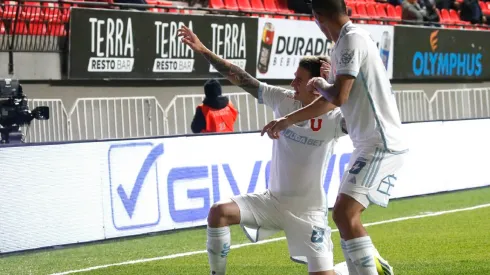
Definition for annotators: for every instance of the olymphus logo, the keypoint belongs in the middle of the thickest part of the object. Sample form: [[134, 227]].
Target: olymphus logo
[[437, 62], [111, 44]]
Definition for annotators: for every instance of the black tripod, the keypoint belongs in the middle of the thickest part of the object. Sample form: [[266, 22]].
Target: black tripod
[[10, 134]]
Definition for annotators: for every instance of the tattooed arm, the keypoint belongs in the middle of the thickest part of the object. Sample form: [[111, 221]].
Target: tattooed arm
[[232, 72]]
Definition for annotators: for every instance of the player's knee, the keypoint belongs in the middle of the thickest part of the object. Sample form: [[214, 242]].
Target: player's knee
[[216, 214], [345, 216], [222, 214]]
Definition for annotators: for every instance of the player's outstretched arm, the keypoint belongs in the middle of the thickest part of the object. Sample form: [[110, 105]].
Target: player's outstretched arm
[[232, 72]]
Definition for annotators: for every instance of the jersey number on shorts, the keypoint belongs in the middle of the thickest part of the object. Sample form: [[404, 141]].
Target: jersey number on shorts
[[316, 124]]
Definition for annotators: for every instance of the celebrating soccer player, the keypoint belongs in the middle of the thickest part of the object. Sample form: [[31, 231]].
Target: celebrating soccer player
[[362, 90], [295, 201]]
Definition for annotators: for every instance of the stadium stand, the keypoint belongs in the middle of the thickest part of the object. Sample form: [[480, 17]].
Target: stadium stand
[[51, 17]]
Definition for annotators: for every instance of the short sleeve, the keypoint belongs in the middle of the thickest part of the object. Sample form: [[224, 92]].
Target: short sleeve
[[350, 55], [271, 96]]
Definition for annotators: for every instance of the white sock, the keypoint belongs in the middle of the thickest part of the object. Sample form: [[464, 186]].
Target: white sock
[[218, 245], [350, 265], [362, 253]]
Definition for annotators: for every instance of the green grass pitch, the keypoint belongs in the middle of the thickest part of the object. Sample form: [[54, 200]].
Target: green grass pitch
[[451, 243]]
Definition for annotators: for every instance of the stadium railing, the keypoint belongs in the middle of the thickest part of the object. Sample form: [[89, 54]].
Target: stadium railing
[[56, 128], [118, 117], [43, 25], [180, 111], [461, 103], [413, 106], [130, 117]]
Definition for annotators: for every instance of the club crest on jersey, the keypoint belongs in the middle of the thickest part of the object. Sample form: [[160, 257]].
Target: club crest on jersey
[[316, 124], [346, 57], [317, 234], [358, 165]]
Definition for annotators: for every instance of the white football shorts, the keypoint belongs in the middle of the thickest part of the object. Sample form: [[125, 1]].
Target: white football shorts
[[307, 232], [372, 175]]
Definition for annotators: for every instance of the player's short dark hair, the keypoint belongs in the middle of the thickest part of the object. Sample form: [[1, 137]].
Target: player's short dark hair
[[313, 63], [329, 8]]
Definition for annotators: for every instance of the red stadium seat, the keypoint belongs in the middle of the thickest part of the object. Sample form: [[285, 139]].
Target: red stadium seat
[[231, 5], [65, 14], [31, 11], [270, 6], [485, 7], [257, 5], [371, 12], [354, 14], [361, 10], [398, 10], [381, 10], [244, 6], [216, 4], [50, 11], [37, 29], [282, 7], [391, 13], [2, 28], [18, 27], [10, 9], [56, 29], [154, 9]]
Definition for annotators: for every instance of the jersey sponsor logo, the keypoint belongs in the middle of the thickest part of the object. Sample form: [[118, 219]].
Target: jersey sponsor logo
[[445, 63], [315, 127], [289, 134], [358, 165]]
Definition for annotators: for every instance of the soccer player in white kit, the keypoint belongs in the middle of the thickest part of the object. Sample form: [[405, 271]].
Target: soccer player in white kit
[[362, 90], [295, 200]]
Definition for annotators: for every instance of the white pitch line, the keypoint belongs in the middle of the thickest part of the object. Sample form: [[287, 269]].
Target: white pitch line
[[178, 255]]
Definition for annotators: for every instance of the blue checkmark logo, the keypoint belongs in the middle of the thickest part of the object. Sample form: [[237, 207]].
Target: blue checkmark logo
[[130, 203], [133, 178]]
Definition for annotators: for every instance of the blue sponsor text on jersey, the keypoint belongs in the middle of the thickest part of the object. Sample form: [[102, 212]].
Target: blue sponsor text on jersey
[[288, 133]]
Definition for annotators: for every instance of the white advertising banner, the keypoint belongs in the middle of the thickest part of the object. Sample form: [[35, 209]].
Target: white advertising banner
[[79, 192], [282, 43]]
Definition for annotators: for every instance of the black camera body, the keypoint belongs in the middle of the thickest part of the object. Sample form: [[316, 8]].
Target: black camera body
[[14, 111]]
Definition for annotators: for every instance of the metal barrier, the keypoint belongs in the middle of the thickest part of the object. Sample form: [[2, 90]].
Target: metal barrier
[[181, 109], [39, 26], [53, 129], [125, 117], [461, 103], [413, 105]]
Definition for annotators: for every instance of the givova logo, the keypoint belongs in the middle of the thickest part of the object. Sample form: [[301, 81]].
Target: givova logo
[[134, 186], [111, 45], [438, 63]]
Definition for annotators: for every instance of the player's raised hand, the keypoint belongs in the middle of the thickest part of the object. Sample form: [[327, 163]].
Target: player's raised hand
[[190, 38], [274, 127], [318, 83], [325, 70]]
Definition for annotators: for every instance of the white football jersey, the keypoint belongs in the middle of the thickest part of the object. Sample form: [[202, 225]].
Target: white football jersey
[[370, 112], [302, 152]]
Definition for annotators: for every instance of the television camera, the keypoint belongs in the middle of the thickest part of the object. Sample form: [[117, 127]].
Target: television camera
[[14, 111]]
